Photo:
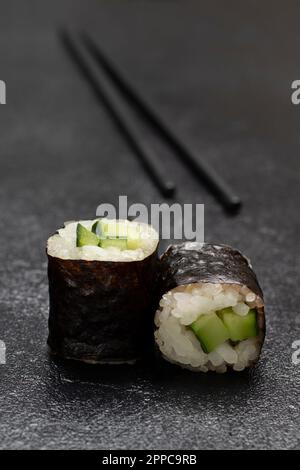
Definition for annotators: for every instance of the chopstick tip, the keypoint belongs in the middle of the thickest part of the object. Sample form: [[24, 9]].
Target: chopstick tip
[[169, 189], [234, 205]]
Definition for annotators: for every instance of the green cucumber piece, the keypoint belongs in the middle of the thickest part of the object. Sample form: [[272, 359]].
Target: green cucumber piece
[[85, 237], [120, 243], [94, 226], [103, 227], [133, 243], [116, 230], [210, 331], [239, 327], [106, 230], [97, 228], [122, 230]]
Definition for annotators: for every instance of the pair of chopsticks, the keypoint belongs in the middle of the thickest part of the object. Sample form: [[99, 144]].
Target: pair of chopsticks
[[105, 78]]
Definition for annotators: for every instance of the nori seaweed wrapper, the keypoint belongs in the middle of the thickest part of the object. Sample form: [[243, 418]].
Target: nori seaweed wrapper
[[190, 262], [101, 311]]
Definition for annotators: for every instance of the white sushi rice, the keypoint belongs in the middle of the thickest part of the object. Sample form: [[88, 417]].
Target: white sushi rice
[[183, 305], [63, 244]]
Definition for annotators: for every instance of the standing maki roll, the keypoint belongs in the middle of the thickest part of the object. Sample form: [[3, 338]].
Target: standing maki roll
[[211, 313], [102, 274]]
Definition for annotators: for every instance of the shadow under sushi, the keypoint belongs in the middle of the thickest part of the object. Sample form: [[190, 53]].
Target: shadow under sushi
[[153, 371]]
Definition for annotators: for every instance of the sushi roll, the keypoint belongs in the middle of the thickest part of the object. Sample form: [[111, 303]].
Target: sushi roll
[[102, 275], [211, 312]]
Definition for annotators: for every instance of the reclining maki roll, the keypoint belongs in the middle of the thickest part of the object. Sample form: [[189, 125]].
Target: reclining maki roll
[[102, 275], [211, 313]]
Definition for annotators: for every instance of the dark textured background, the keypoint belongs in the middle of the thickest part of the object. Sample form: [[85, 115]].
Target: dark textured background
[[221, 71]]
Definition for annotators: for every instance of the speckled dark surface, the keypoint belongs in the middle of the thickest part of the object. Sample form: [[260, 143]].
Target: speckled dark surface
[[222, 71]]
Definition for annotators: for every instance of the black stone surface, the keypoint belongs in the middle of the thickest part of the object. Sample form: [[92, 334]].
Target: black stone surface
[[222, 71]]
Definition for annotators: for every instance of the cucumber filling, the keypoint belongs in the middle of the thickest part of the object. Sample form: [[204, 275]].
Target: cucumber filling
[[85, 237], [210, 331], [239, 327], [106, 235], [214, 329]]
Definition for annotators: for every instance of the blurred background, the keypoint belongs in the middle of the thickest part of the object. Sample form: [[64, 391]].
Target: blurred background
[[220, 73]]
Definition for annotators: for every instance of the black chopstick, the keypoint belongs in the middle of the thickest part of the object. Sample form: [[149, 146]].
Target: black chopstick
[[213, 181], [112, 100]]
